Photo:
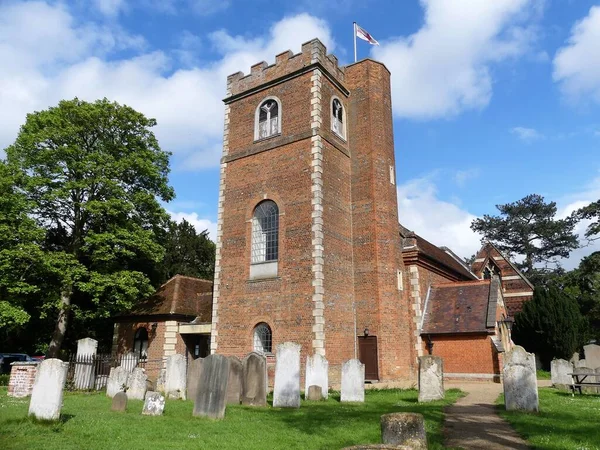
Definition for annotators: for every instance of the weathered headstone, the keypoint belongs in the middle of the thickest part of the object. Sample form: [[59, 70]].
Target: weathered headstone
[[136, 384], [160, 381], [234, 386], [254, 380], [47, 393], [117, 381], [314, 393], [404, 429], [559, 373], [175, 378], [212, 391], [22, 378], [581, 363], [129, 361], [317, 373], [353, 381], [194, 374], [520, 380], [84, 363], [119, 402], [286, 392], [592, 355], [154, 404], [431, 378]]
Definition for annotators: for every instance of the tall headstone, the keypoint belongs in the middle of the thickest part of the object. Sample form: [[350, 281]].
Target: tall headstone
[[136, 384], [592, 355], [431, 378], [175, 377], [254, 380], [47, 393], [117, 381], [520, 380], [194, 374], [154, 404], [317, 373], [84, 363], [129, 361], [234, 386], [404, 429], [581, 363], [160, 381], [559, 373], [353, 381], [286, 392], [119, 402], [212, 392]]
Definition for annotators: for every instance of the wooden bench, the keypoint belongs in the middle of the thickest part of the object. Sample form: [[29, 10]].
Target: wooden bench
[[579, 381]]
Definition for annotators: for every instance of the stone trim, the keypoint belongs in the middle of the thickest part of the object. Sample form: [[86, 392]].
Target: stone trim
[[517, 294], [415, 295], [318, 343], [214, 332], [511, 277], [171, 329]]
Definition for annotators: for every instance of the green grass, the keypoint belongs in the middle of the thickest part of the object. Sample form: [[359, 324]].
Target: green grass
[[87, 422], [564, 421], [543, 375]]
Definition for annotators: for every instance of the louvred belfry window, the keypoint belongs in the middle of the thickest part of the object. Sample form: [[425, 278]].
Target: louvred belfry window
[[268, 119], [337, 118]]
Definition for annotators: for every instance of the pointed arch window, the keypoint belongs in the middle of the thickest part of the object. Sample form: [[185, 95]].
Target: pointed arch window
[[338, 118], [268, 119], [140, 343], [263, 338]]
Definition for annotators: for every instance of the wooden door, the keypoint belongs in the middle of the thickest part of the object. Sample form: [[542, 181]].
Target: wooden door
[[367, 353]]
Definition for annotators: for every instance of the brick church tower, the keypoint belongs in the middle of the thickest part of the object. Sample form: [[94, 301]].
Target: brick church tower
[[308, 245]]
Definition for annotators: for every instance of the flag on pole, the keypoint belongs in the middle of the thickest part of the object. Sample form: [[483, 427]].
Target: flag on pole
[[365, 36]]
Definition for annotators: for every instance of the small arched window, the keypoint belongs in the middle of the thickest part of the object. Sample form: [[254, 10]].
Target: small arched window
[[263, 342], [140, 343], [268, 119], [337, 118], [265, 232]]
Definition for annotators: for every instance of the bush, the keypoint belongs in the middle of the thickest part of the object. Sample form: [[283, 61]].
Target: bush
[[4, 379]]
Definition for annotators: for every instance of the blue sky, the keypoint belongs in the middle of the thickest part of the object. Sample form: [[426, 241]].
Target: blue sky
[[492, 100]]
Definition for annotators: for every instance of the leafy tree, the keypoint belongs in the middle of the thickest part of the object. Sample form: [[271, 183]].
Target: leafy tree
[[92, 173], [550, 325], [592, 212], [187, 252], [528, 227]]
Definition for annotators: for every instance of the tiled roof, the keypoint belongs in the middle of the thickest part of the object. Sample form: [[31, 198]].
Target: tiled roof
[[462, 307], [182, 296]]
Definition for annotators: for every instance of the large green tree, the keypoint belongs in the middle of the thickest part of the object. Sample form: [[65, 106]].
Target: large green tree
[[592, 212], [93, 173], [529, 227], [550, 325]]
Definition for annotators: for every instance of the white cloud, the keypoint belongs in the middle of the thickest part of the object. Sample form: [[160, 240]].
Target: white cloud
[[199, 224], [445, 67], [48, 56], [110, 8], [577, 64], [461, 177], [440, 222], [527, 134]]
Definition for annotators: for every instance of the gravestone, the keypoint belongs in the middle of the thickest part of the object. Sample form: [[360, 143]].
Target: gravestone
[[254, 380], [234, 386], [136, 384], [520, 380], [286, 392], [117, 381], [212, 392], [160, 381], [175, 377], [129, 361], [317, 373], [314, 393], [589, 379], [84, 366], [581, 363], [154, 404], [119, 402], [404, 429], [22, 378], [559, 373], [194, 373], [353, 381], [592, 355], [431, 378], [47, 392]]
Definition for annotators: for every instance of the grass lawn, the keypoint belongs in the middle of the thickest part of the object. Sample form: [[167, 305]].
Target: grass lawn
[[88, 423], [564, 421]]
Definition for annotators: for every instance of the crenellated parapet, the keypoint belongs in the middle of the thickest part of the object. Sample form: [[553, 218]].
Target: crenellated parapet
[[286, 63]]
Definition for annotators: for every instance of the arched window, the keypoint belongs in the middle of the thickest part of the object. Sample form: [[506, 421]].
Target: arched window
[[263, 338], [268, 119], [265, 232], [337, 118], [140, 343]]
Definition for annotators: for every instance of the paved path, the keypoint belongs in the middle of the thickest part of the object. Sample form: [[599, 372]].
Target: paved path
[[472, 422]]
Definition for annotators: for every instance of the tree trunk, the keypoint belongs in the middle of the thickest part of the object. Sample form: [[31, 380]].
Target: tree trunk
[[61, 324]]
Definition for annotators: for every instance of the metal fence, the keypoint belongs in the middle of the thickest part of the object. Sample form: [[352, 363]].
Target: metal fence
[[90, 372]]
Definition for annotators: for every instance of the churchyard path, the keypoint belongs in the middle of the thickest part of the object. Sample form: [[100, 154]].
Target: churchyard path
[[472, 422]]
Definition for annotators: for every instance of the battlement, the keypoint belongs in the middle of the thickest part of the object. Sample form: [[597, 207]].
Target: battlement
[[285, 63]]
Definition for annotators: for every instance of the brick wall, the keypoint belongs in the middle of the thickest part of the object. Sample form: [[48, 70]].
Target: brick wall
[[22, 378]]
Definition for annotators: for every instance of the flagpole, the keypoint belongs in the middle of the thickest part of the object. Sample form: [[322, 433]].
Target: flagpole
[[354, 28]]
